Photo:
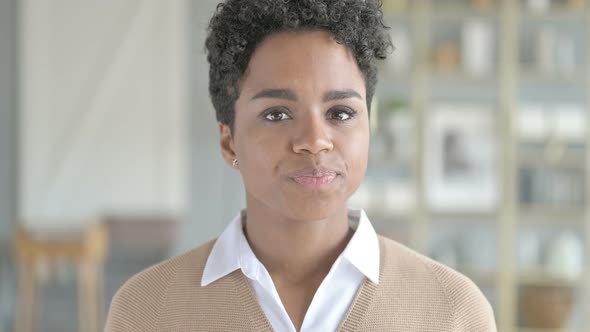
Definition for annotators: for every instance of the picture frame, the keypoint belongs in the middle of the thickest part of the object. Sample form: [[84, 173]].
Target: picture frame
[[461, 168]]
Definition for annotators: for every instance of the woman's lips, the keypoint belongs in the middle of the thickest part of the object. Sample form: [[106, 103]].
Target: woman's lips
[[315, 182]]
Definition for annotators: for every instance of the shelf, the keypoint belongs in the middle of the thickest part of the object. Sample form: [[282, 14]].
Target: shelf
[[540, 157], [451, 215], [462, 14], [532, 329], [538, 277], [406, 215], [517, 81], [530, 75], [463, 215], [566, 162], [554, 14], [557, 215], [462, 76]]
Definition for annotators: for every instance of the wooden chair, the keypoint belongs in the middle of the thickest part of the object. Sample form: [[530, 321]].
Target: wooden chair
[[87, 249]]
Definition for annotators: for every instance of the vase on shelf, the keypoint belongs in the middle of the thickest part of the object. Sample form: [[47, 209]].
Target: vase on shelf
[[546, 307]]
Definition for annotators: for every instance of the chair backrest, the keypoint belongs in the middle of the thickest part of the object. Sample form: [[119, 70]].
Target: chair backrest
[[88, 245]]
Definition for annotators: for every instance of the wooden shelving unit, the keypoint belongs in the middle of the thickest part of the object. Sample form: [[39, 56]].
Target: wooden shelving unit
[[419, 84]]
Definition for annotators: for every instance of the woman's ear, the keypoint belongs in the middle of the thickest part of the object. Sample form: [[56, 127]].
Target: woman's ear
[[226, 143]]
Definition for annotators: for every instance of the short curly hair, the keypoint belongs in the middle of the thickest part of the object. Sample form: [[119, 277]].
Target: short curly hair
[[238, 26]]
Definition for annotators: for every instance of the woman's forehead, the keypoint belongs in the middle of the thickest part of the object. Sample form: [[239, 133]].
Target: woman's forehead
[[300, 61]]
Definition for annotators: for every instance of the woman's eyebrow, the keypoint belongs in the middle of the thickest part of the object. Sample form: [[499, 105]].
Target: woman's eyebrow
[[290, 95], [341, 94], [276, 94]]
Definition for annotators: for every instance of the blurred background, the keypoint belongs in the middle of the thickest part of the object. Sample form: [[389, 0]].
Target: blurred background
[[109, 157]]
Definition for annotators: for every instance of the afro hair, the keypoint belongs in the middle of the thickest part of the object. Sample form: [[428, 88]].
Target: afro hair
[[238, 26]]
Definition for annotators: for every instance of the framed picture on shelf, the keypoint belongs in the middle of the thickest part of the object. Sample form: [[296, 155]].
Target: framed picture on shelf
[[461, 158]]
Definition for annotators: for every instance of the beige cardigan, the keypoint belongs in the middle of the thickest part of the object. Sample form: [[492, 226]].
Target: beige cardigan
[[414, 293]]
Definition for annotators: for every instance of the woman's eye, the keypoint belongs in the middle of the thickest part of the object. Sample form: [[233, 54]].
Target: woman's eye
[[343, 115], [276, 116]]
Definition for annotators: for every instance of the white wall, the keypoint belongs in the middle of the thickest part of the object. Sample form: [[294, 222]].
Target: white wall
[[216, 191], [104, 85], [103, 99]]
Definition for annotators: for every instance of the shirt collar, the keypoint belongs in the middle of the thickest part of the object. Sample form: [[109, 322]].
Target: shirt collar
[[232, 251], [362, 250], [224, 257]]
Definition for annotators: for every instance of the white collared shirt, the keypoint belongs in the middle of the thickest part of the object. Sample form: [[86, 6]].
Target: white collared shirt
[[335, 294]]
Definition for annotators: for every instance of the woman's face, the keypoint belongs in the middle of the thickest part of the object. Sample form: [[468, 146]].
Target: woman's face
[[301, 130]]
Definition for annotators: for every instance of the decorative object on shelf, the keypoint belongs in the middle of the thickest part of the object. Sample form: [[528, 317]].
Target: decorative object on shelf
[[570, 123], [478, 47], [460, 167], [565, 257], [556, 52], [396, 125], [538, 6], [563, 122], [550, 174], [543, 186], [446, 57], [387, 189], [533, 123], [546, 307]]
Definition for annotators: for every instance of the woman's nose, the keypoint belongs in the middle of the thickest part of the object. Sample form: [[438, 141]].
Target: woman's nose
[[312, 136]]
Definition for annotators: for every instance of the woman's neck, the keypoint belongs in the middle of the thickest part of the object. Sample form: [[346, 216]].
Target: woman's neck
[[296, 250]]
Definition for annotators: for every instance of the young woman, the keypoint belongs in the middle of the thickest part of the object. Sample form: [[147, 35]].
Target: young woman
[[292, 82]]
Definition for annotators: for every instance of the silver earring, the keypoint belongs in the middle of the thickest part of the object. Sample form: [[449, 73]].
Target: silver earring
[[235, 163]]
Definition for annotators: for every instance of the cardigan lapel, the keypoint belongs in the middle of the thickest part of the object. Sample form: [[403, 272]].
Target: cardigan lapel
[[353, 318], [363, 299], [246, 295]]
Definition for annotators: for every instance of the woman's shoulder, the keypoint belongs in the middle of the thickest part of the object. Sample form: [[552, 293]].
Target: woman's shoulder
[[138, 301], [402, 261], [161, 273], [430, 280], [400, 258]]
